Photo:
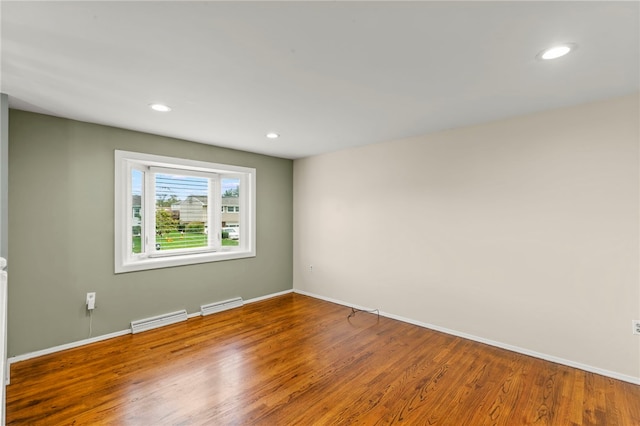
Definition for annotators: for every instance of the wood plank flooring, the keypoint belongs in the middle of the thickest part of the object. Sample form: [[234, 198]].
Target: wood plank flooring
[[295, 360]]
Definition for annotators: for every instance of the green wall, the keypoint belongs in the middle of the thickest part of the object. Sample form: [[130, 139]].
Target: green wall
[[61, 234]]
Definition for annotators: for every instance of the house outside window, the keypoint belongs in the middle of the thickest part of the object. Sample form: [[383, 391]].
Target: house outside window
[[230, 211]]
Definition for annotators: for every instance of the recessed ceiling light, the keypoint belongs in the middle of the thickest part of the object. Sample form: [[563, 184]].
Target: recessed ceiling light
[[160, 107], [273, 135], [556, 51]]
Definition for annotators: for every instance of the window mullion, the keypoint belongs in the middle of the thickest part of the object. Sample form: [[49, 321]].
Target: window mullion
[[150, 211], [143, 223], [214, 213], [127, 214]]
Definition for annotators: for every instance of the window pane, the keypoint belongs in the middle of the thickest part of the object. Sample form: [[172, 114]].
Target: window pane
[[181, 211], [230, 216], [136, 210]]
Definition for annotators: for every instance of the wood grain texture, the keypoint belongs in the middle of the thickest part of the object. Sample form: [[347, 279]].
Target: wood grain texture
[[295, 360]]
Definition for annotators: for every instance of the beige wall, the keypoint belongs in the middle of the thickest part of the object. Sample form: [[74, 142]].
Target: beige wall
[[61, 243], [523, 232]]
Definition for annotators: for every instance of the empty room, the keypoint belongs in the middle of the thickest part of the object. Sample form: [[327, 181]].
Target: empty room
[[320, 213]]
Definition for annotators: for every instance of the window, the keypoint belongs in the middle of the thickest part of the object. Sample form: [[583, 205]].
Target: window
[[169, 211]]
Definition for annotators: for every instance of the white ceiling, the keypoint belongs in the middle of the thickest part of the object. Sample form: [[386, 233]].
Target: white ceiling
[[325, 75]]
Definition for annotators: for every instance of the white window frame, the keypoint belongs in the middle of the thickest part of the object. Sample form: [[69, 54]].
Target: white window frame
[[127, 261]]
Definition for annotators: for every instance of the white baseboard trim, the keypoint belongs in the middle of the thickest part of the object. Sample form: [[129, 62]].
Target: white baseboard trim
[[523, 351], [193, 315], [268, 296], [64, 347], [83, 342]]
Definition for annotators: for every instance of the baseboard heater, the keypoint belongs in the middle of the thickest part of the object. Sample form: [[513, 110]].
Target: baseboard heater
[[213, 308], [158, 321]]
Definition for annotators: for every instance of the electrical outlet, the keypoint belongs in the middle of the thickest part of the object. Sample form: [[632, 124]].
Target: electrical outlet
[[91, 301], [636, 326]]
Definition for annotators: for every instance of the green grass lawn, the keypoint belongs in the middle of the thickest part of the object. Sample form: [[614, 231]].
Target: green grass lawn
[[175, 240]]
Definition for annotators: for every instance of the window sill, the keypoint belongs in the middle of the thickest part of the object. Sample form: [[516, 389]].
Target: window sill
[[171, 261]]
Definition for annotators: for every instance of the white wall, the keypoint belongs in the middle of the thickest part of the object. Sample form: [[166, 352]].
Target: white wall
[[522, 232]]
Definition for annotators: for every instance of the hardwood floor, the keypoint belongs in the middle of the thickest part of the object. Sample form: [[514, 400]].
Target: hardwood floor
[[295, 360]]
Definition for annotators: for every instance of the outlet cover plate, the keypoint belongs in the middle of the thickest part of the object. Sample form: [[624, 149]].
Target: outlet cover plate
[[636, 326]]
